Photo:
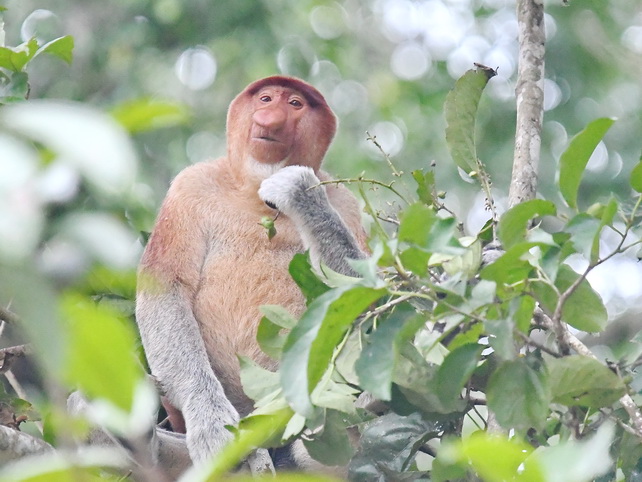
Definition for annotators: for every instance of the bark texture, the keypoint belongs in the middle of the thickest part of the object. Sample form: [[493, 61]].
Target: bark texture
[[529, 92], [15, 445]]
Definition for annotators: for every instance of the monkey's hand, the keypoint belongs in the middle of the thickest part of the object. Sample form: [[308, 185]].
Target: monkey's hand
[[205, 420], [292, 191], [297, 193], [260, 463], [208, 435]]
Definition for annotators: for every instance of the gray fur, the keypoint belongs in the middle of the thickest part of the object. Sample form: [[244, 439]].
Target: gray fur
[[184, 372], [297, 193]]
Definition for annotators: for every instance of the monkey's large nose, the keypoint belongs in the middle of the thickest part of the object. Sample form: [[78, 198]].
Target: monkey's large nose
[[270, 117]]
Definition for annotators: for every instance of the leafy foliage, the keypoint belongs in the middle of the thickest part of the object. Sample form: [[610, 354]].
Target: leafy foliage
[[460, 111], [443, 347], [447, 338], [574, 160], [14, 60]]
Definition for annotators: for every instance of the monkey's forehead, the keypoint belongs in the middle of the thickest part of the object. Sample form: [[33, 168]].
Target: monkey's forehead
[[312, 95]]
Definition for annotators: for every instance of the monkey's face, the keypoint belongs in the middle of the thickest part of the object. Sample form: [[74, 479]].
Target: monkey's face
[[279, 120], [276, 117]]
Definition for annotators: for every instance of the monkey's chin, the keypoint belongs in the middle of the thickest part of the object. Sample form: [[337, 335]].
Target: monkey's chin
[[263, 170]]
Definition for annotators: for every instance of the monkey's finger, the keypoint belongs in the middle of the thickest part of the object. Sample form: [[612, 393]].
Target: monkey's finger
[[260, 462]]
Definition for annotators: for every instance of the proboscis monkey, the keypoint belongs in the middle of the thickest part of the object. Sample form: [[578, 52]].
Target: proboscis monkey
[[209, 264]]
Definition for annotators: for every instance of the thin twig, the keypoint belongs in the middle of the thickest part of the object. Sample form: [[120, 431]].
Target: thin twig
[[537, 345], [570, 340], [486, 184], [8, 316], [20, 391], [10, 354], [385, 307], [373, 139], [367, 181], [556, 319]]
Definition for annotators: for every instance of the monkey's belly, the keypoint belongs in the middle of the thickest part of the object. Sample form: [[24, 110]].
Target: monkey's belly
[[227, 309]]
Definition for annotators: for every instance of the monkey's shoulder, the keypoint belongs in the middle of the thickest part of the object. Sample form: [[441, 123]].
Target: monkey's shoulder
[[200, 178]]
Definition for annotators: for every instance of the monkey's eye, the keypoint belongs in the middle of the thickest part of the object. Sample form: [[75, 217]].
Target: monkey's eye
[[296, 103], [265, 98]]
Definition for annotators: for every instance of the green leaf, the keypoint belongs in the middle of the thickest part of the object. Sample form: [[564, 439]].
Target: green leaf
[[421, 227], [574, 159], [279, 316], [415, 259], [493, 458], [469, 334], [270, 338], [510, 268], [40, 322], [350, 353], [311, 342], [460, 110], [50, 469], [582, 460], [388, 446], [415, 224], [11, 60], [254, 431], [608, 215], [584, 230], [501, 337], [15, 89], [513, 224], [414, 385], [101, 359], [425, 185], [445, 470], [454, 372], [83, 138], [337, 396], [15, 59], [521, 310], [375, 366], [305, 277], [147, 114], [465, 265], [583, 381], [332, 446], [583, 309], [270, 332], [61, 47], [636, 177], [257, 381], [527, 405]]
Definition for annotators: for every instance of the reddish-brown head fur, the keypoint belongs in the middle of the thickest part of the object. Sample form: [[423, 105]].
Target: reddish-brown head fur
[[279, 118]]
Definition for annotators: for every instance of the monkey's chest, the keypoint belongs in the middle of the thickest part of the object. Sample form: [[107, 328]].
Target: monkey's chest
[[244, 270]]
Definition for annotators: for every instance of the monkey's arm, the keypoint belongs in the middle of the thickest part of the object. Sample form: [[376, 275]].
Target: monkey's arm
[[294, 191], [167, 282], [169, 277]]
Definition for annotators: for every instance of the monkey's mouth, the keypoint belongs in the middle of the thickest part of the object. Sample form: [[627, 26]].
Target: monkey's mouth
[[267, 139]]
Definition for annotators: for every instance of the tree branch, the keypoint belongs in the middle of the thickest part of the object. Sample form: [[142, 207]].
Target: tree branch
[[15, 444], [10, 354], [8, 316], [574, 343], [530, 100]]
